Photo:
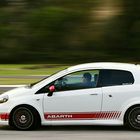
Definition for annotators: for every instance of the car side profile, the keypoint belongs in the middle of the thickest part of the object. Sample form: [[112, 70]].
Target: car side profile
[[86, 94]]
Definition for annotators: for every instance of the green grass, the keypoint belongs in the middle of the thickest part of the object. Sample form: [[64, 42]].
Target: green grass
[[14, 81], [29, 69], [26, 70]]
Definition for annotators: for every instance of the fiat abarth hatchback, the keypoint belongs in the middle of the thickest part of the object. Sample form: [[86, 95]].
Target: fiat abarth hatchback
[[86, 94]]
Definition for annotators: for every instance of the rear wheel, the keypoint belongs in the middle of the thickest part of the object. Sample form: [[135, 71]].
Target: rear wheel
[[24, 118], [133, 118]]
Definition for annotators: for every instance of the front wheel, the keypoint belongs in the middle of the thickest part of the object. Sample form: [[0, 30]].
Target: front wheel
[[23, 118], [133, 118]]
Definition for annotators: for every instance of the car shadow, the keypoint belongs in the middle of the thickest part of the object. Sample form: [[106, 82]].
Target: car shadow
[[84, 128], [74, 128]]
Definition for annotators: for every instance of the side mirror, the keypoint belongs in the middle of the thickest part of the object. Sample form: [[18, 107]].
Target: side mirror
[[51, 90]]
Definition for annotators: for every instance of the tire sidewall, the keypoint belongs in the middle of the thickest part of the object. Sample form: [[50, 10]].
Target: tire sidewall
[[129, 122], [15, 124]]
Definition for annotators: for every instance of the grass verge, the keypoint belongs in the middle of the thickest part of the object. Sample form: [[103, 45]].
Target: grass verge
[[10, 70]]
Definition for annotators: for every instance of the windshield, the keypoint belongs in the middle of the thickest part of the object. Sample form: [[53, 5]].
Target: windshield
[[32, 84]]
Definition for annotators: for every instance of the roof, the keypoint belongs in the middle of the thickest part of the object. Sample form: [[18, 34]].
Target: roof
[[105, 65]]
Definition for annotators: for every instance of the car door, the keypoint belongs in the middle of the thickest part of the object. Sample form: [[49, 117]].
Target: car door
[[117, 87], [73, 100]]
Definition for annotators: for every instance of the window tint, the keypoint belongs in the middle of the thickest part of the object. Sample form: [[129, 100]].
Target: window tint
[[77, 80], [115, 77]]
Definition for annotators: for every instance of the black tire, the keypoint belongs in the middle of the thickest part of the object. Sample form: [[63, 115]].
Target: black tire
[[24, 118], [133, 118]]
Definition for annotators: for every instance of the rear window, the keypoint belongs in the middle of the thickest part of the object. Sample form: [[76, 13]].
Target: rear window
[[115, 77]]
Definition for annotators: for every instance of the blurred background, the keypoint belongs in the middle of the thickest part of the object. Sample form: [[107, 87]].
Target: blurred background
[[39, 37], [69, 31]]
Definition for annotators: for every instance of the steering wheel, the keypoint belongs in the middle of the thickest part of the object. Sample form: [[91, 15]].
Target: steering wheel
[[64, 82]]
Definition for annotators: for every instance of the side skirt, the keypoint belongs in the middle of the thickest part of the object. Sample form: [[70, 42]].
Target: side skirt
[[83, 122]]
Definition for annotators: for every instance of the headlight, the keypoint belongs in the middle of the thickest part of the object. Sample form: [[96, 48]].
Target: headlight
[[4, 99]]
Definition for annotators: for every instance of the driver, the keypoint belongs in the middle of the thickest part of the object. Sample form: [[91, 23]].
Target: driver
[[87, 79]]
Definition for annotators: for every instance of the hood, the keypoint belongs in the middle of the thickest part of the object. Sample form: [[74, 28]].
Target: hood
[[18, 91]]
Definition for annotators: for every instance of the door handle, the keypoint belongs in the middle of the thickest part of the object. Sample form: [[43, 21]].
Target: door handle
[[94, 94]]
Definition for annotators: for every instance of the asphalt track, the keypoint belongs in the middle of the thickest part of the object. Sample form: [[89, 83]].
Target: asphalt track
[[71, 133]]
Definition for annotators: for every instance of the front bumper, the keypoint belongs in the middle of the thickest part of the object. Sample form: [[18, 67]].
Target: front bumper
[[4, 118], [4, 114]]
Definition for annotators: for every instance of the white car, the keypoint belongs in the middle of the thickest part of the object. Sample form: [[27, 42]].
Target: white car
[[87, 94]]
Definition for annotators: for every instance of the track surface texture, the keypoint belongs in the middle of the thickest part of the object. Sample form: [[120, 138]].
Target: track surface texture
[[71, 133]]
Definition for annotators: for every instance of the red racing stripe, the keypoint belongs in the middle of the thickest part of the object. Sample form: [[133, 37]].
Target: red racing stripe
[[81, 115], [4, 116]]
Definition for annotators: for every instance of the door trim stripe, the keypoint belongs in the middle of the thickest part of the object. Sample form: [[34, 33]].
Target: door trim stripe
[[82, 115]]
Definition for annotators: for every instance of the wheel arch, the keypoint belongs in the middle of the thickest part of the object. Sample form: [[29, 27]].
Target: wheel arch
[[127, 111], [33, 109]]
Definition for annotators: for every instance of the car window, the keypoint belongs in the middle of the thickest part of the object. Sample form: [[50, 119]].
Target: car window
[[77, 80], [115, 77]]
